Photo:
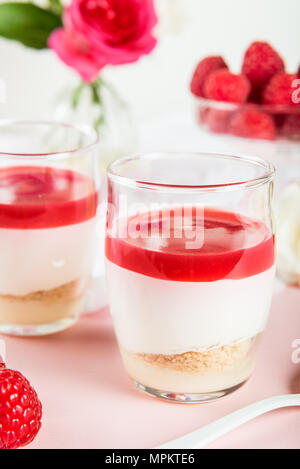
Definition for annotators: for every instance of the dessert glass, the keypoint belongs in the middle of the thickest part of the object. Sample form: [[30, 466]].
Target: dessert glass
[[190, 268], [48, 201]]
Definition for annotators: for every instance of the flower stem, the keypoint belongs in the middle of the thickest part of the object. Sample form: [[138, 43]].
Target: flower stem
[[96, 92], [77, 94]]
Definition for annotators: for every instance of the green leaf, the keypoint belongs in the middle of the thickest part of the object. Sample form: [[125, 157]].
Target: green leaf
[[27, 23]]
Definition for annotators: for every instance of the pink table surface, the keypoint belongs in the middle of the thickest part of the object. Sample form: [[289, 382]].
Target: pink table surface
[[89, 402]]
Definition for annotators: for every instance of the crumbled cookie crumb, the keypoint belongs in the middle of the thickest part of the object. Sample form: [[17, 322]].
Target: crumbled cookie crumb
[[64, 292], [195, 362]]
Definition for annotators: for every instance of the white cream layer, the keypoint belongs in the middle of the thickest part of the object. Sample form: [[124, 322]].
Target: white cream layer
[[166, 317], [42, 259]]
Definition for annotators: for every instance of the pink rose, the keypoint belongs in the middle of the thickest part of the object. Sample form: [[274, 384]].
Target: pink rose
[[104, 32]]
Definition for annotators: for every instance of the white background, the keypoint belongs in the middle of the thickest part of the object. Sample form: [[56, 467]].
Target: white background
[[158, 84]]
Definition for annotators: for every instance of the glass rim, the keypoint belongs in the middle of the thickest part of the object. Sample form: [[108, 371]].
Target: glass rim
[[113, 175], [84, 130], [230, 106]]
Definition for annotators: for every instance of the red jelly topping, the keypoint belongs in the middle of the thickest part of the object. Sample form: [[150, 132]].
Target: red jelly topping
[[230, 246], [44, 197]]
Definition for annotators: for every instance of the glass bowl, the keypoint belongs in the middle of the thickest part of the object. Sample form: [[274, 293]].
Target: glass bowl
[[246, 120]]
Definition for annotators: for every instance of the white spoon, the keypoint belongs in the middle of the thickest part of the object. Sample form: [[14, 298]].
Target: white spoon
[[200, 438]]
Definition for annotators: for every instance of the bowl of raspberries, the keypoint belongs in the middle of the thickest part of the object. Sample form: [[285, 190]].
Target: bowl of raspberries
[[261, 102]]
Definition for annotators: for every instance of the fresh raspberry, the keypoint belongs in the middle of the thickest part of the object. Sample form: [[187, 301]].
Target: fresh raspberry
[[279, 90], [203, 69], [20, 410], [291, 127], [222, 85], [218, 120], [255, 95], [252, 124], [261, 62]]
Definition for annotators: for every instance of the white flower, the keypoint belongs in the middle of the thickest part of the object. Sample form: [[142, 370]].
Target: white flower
[[288, 233]]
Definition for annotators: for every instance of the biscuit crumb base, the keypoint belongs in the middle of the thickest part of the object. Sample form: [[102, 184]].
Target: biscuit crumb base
[[214, 370], [43, 307], [63, 292], [216, 359]]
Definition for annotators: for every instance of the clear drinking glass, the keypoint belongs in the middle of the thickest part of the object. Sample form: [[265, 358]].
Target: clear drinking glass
[[190, 268], [48, 200]]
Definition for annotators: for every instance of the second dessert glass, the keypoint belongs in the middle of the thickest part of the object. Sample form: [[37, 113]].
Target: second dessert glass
[[49, 185], [190, 268]]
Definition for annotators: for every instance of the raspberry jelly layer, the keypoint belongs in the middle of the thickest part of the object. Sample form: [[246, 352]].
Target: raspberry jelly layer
[[233, 247], [35, 197]]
